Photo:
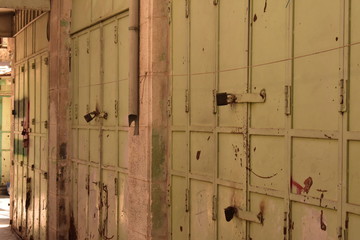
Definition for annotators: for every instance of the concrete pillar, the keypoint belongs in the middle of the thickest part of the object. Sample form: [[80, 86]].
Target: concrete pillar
[[59, 163], [147, 207]]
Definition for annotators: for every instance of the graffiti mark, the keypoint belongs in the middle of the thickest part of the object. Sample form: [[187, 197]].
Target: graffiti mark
[[300, 189], [264, 177], [308, 183], [198, 155], [322, 224]]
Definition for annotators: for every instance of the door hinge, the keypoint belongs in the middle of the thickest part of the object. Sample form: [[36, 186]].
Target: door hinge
[[169, 106], [187, 98], [116, 34], [46, 124], [288, 100], [169, 12], [187, 8], [343, 95], [116, 186], [116, 108], [187, 200], [214, 101], [214, 208], [33, 65]]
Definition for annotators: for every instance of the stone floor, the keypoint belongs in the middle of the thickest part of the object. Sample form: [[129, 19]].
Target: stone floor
[[5, 231]]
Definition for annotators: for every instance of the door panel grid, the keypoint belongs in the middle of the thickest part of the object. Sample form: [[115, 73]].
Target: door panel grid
[[98, 153], [289, 155]]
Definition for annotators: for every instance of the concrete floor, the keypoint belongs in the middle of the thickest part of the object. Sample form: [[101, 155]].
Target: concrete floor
[[5, 231]]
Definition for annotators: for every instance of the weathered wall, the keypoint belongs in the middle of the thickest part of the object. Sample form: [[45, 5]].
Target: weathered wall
[[59, 217], [148, 151]]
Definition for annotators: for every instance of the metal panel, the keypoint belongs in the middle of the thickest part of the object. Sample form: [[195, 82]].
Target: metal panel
[[311, 222], [267, 162], [24, 4], [203, 41], [41, 33], [272, 210], [202, 159], [353, 226], [179, 215], [202, 225], [312, 101], [354, 174], [235, 229]]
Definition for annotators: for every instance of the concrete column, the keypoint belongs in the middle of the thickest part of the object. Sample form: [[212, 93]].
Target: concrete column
[[147, 205], [59, 163]]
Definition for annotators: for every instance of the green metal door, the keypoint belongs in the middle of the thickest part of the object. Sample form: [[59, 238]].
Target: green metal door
[[99, 156], [285, 167]]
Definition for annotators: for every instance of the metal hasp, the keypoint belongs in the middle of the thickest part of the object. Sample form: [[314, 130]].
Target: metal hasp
[[232, 211], [223, 99], [134, 102]]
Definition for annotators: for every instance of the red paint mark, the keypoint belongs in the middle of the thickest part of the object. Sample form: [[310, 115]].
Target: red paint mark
[[300, 189]]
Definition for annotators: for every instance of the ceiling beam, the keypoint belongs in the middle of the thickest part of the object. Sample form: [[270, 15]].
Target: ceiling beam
[[43, 5]]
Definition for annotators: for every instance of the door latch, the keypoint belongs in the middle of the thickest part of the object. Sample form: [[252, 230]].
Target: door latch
[[232, 211], [229, 98]]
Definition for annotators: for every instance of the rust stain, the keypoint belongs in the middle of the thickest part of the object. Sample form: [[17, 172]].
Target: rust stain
[[265, 6], [322, 224], [72, 230], [198, 155], [255, 18], [260, 215]]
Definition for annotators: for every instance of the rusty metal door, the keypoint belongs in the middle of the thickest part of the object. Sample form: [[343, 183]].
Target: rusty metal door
[[275, 159], [99, 126], [30, 186]]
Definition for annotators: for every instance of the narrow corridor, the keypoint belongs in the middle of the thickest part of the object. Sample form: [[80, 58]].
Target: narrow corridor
[[5, 231]]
